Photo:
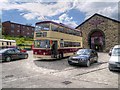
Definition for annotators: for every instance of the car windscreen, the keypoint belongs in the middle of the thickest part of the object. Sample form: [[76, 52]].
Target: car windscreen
[[116, 52], [83, 52]]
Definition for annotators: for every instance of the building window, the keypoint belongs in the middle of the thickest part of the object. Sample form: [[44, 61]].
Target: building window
[[18, 30], [28, 33], [32, 28], [32, 33], [12, 31], [12, 26], [18, 25], [27, 28], [23, 26]]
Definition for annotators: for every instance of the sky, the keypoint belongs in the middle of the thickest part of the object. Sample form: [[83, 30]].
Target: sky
[[69, 12]]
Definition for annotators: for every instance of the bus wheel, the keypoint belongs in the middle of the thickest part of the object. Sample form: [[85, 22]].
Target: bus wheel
[[60, 55], [8, 59]]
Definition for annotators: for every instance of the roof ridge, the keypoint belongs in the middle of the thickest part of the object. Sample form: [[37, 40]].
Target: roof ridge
[[98, 15]]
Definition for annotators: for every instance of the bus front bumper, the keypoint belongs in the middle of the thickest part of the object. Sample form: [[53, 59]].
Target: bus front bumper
[[43, 56]]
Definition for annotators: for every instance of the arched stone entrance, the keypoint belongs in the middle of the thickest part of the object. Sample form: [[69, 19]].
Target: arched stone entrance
[[96, 40]]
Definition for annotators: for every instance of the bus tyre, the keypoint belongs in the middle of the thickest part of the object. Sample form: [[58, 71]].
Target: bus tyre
[[8, 59], [60, 55]]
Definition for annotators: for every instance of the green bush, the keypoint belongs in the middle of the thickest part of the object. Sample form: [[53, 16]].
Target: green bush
[[20, 41]]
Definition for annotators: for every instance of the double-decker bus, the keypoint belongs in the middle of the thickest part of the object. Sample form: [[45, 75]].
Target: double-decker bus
[[4, 43], [66, 40]]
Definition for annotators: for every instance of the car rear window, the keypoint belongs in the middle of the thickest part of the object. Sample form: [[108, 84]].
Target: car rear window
[[3, 50]]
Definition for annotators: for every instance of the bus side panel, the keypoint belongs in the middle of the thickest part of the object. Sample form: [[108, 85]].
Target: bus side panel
[[47, 52], [68, 51], [42, 51]]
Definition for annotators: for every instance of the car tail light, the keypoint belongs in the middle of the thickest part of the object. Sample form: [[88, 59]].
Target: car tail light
[[23, 51]]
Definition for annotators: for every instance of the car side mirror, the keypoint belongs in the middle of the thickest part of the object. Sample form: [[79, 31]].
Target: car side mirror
[[74, 53]]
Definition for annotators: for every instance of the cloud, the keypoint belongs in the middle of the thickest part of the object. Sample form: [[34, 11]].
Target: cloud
[[3, 1], [109, 9], [42, 10], [65, 19]]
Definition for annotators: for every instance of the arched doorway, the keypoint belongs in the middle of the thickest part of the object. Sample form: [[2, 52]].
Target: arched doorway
[[96, 40]]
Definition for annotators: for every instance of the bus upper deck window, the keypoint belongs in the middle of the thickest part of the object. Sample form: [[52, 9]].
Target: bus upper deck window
[[45, 26]]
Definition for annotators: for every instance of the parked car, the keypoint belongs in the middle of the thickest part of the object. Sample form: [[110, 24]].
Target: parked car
[[11, 54], [114, 61], [21, 50], [84, 57]]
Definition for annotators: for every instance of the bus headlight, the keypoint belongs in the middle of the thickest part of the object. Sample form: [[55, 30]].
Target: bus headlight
[[44, 53], [35, 52]]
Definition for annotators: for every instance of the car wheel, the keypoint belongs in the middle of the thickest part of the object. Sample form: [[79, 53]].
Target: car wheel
[[110, 68], [26, 56], [96, 61], [8, 59], [88, 63], [69, 63]]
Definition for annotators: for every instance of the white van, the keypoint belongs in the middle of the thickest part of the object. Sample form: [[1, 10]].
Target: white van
[[114, 61]]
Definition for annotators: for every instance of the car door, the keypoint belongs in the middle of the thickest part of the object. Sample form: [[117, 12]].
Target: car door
[[95, 56], [11, 53], [18, 53], [92, 56]]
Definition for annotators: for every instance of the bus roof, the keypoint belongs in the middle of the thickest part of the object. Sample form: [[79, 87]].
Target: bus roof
[[60, 24], [7, 40]]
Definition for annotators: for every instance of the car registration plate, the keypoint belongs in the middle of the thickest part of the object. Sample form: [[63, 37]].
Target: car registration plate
[[118, 65], [75, 61]]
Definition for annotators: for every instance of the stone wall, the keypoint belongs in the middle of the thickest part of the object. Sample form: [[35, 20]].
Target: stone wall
[[108, 26]]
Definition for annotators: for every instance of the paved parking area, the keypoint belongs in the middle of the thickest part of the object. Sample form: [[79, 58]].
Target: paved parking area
[[34, 73]]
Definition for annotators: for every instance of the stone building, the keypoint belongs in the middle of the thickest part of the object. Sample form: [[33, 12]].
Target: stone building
[[100, 32]]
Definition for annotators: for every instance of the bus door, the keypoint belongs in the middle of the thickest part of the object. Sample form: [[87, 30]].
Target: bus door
[[56, 45], [55, 48]]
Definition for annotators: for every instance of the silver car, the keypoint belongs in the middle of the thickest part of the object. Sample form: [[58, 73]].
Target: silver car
[[114, 61]]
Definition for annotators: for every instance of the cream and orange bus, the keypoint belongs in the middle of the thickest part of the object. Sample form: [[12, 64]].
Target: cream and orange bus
[[67, 40], [4, 43]]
